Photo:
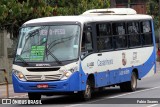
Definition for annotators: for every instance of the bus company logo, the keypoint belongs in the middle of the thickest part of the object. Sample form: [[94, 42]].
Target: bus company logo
[[90, 65], [124, 60], [46, 65], [43, 77], [134, 55]]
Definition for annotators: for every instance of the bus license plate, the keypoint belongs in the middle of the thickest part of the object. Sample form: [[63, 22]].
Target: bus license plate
[[42, 86]]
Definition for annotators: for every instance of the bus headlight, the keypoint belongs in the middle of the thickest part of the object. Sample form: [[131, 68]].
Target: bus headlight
[[19, 75], [67, 73]]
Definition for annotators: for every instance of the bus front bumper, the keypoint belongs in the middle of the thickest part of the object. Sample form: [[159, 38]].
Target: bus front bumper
[[69, 85]]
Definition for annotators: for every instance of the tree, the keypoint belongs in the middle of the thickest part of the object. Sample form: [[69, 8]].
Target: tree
[[15, 12], [152, 9], [76, 7]]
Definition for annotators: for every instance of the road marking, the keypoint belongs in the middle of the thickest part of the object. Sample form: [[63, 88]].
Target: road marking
[[134, 92], [74, 105], [126, 94], [20, 96], [153, 105], [117, 96]]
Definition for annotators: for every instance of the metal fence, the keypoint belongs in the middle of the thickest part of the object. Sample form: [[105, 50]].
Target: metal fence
[[5, 81]]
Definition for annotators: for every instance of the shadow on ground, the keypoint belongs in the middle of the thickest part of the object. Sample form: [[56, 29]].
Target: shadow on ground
[[75, 99]]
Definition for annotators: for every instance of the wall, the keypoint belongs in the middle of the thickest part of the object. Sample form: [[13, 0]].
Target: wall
[[5, 62]]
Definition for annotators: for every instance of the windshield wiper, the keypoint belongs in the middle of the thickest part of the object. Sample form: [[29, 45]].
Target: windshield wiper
[[34, 32], [56, 59], [19, 57]]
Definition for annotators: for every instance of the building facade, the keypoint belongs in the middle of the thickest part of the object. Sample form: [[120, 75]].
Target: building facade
[[138, 5]]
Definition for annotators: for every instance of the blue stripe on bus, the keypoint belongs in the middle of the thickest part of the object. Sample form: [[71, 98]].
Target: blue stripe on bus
[[112, 77], [154, 41]]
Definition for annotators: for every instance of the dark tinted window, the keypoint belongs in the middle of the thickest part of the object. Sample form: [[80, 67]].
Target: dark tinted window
[[134, 36], [104, 43], [104, 37], [118, 28], [133, 27], [104, 30], [120, 41], [119, 33], [146, 33], [87, 42], [146, 26]]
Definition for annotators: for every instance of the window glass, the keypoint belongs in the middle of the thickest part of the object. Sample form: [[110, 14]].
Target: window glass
[[104, 37], [119, 29], [133, 31], [146, 33], [133, 27], [49, 43], [134, 40], [87, 42], [147, 39], [104, 43], [120, 41], [146, 27], [104, 30]]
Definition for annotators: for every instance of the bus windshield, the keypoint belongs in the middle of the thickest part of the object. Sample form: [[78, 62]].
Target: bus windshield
[[48, 43]]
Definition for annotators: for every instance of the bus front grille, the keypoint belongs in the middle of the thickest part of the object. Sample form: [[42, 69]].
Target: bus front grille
[[43, 77]]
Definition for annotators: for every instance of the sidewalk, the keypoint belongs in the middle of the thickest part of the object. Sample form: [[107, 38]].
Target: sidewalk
[[11, 92]]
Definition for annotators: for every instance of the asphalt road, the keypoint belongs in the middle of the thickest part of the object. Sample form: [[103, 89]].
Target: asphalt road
[[148, 90]]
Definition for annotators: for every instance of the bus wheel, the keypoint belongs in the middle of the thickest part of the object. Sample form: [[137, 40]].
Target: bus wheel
[[34, 96], [130, 85], [86, 95]]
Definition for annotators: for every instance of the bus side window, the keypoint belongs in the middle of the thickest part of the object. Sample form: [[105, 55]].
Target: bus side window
[[119, 35], [133, 32], [146, 33], [87, 42], [104, 37]]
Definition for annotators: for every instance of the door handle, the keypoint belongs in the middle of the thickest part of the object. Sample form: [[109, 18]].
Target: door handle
[[99, 54]]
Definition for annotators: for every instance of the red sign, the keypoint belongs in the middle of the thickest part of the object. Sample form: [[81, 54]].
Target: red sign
[[42, 86]]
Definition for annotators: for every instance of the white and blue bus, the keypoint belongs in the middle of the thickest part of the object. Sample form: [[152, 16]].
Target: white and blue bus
[[77, 54]]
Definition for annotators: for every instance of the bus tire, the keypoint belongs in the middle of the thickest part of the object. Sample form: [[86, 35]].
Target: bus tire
[[86, 94], [34, 96], [130, 86]]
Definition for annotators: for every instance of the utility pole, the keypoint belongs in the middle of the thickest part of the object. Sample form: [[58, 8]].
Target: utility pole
[[113, 3], [129, 3], [159, 6]]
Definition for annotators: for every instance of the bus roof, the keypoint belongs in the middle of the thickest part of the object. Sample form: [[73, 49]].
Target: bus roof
[[93, 16], [115, 11]]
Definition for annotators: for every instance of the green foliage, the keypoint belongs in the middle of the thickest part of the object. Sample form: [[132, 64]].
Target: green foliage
[[77, 7], [15, 13], [153, 9]]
